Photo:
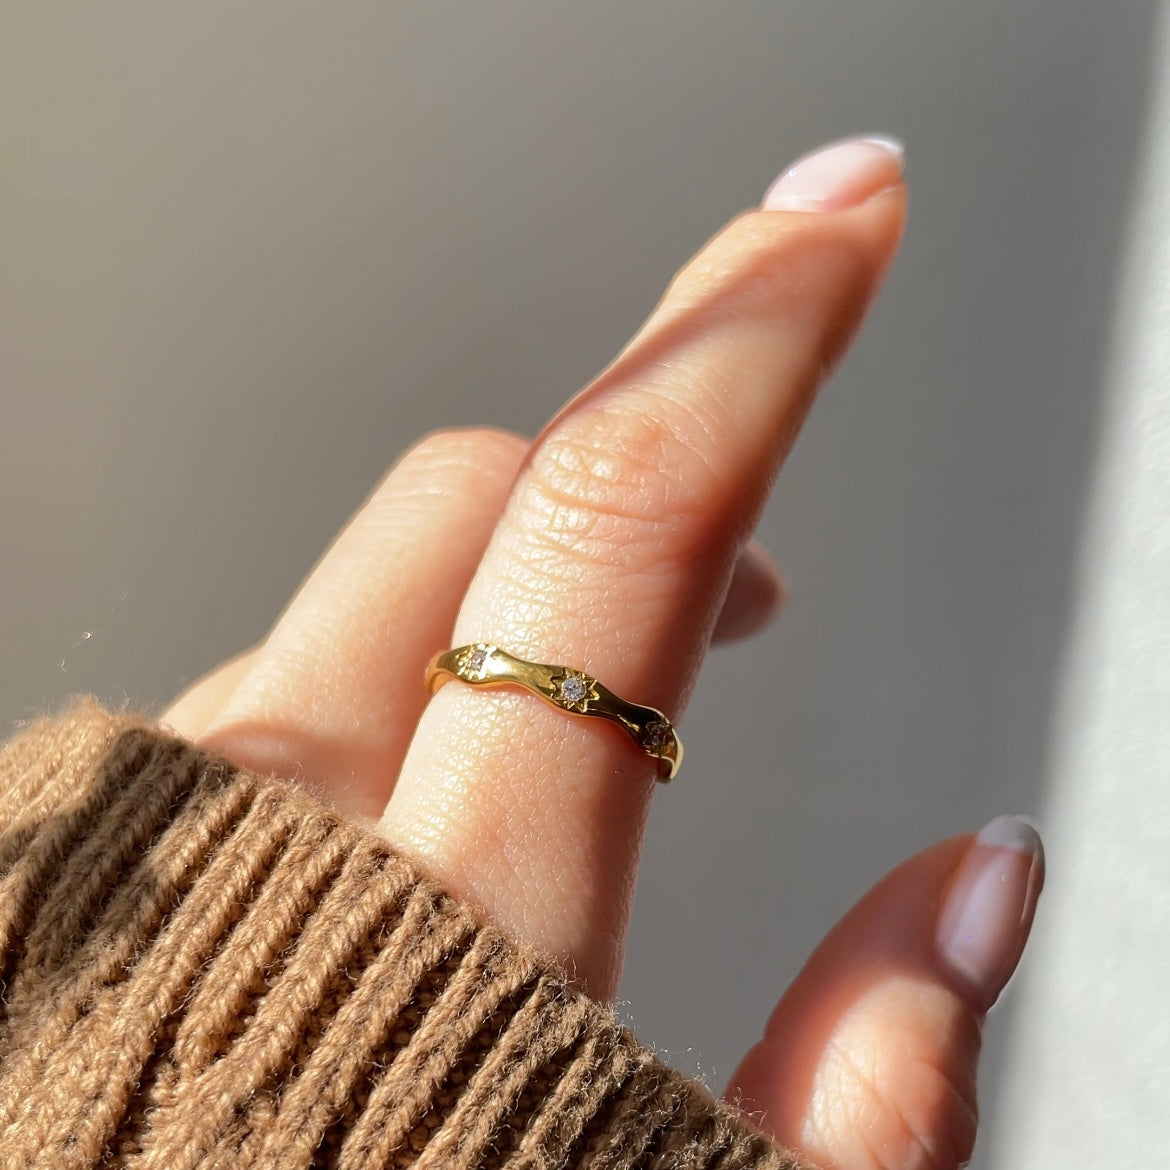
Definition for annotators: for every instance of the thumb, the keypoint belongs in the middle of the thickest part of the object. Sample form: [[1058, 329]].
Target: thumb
[[869, 1061]]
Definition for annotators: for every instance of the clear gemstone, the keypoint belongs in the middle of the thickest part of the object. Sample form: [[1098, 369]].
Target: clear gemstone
[[476, 659], [573, 689]]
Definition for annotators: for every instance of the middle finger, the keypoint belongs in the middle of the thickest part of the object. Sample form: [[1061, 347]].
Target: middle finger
[[332, 696]]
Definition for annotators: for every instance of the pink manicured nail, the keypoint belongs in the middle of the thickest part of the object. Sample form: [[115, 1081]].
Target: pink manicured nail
[[988, 909], [838, 176]]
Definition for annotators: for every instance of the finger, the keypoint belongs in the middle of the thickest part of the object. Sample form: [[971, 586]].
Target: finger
[[195, 709], [333, 695], [756, 594], [613, 556], [869, 1061], [754, 597]]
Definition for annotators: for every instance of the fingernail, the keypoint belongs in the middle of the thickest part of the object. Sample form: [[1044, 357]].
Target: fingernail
[[988, 908], [841, 175]]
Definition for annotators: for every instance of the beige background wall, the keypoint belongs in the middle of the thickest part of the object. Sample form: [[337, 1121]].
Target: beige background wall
[[251, 250]]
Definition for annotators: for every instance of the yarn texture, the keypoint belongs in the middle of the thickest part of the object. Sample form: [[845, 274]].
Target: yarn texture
[[203, 967]]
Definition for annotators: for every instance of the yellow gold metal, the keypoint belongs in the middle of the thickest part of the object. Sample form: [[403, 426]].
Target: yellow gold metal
[[482, 664]]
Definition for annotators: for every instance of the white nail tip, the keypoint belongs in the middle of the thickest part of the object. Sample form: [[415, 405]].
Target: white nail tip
[[1012, 832], [887, 142]]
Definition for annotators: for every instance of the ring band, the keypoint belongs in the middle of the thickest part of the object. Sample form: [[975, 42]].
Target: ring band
[[574, 691]]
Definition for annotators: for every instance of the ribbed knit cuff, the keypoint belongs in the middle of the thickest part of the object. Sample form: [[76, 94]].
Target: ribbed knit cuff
[[203, 967]]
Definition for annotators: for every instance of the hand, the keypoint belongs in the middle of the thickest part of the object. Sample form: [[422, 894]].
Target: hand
[[615, 542]]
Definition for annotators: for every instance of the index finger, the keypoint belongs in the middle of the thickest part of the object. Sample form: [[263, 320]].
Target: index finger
[[614, 554]]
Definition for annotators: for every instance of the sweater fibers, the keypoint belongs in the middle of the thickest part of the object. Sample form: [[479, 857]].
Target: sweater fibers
[[203, 967]]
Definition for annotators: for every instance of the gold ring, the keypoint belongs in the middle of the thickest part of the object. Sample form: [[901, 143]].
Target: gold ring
[[484, 665]]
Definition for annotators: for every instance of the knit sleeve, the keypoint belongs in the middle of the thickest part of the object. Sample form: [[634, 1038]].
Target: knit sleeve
[[202, 967]]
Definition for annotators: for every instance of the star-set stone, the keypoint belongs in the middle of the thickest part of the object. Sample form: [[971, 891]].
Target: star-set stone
[[573, 689]]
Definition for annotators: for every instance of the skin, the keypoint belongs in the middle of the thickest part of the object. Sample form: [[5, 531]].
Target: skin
[[617, 540]]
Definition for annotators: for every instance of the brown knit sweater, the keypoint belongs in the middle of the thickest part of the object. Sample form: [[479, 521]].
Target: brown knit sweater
[[202, 967]]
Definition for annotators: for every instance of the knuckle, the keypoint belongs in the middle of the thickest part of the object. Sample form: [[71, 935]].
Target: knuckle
[[943, 1126], [455, 462], [914, 1114], [463, 447], [617, 486], [467, 470]]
